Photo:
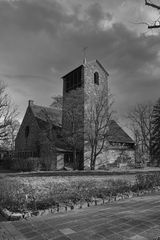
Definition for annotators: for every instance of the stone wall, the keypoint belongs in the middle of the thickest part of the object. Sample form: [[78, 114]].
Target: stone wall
[[109, 157], [89, 70], [92, 93]]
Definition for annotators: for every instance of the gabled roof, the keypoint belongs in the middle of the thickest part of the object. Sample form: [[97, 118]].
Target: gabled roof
[[87, 63], [45, 114], [117, 134]]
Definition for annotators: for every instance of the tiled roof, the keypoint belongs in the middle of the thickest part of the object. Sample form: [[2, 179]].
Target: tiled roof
[[117, 134], [43, 114]]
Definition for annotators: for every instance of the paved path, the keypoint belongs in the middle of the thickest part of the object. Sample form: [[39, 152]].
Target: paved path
[[136, 218]]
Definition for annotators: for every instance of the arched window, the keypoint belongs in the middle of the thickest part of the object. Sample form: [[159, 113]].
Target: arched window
[[27, 131], [96, 78]]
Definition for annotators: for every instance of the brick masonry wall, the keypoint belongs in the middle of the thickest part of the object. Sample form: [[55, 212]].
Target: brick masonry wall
[[27, 144], [48, 155], [34, 139]]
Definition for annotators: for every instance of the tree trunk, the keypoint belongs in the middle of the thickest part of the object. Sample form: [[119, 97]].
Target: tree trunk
[[91, 161], [94, 162], [74, 159]]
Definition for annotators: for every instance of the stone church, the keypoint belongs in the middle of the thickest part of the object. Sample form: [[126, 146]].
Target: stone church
[[42, 127]]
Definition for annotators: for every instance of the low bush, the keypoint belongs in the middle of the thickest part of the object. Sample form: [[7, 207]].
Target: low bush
[[7, 162], [103, 167], [21, 195], [147, 181], [26, 164]]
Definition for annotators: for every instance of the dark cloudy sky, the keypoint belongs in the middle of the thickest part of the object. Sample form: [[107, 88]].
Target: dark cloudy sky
[[40, 40]]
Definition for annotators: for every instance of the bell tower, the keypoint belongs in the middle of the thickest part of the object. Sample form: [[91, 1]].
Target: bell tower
[[79, 87]]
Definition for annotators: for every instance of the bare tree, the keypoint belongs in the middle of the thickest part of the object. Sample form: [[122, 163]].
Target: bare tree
[[98, 114], [156, 23], [57, 102], [8, 112], [86, 120], [140, 124], [155, 147], [9, 141]]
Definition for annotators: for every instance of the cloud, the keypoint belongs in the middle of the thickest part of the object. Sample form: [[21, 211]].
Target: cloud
[[21, 76], [96, 13], [32, 15], [43, 40]]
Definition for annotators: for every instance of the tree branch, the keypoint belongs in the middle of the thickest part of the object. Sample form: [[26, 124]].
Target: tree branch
[[153, 26], [152, 5]]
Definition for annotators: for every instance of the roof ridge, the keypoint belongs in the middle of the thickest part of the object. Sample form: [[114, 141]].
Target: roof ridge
[[74, 69], [54, 114], [50, 108]]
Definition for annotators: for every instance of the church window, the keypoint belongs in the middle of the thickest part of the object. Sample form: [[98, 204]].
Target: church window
[[27, 131], [96, 78], [73, 80]]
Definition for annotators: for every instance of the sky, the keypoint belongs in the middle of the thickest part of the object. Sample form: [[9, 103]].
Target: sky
[[41, 40]]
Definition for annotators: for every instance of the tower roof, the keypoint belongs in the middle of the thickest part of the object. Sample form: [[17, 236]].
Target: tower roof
[[88, 63], [77, 68]]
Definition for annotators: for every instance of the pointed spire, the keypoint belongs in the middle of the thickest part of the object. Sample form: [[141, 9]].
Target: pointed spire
[[84, 55], [84, 61]]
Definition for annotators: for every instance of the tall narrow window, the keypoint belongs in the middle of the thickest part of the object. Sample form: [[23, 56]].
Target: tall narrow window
[[96, 78], [27, 131]]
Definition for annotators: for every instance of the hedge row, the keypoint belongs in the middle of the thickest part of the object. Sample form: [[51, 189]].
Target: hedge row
[[18, 197]]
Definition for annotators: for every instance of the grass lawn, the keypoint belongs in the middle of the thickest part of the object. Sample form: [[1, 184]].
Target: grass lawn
[[23, 193]]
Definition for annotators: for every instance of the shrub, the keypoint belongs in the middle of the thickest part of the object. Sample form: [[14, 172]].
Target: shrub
[[27, 164], [47, 163], [148, 181], [7, 161], [103, 167]]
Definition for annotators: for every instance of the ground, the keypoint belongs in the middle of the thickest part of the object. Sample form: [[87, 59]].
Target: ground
[[136, 218]]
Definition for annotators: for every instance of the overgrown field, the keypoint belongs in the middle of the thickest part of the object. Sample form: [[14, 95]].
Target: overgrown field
[[20, 194]]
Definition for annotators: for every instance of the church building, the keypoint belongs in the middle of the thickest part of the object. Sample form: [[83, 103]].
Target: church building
[[32, 139]]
